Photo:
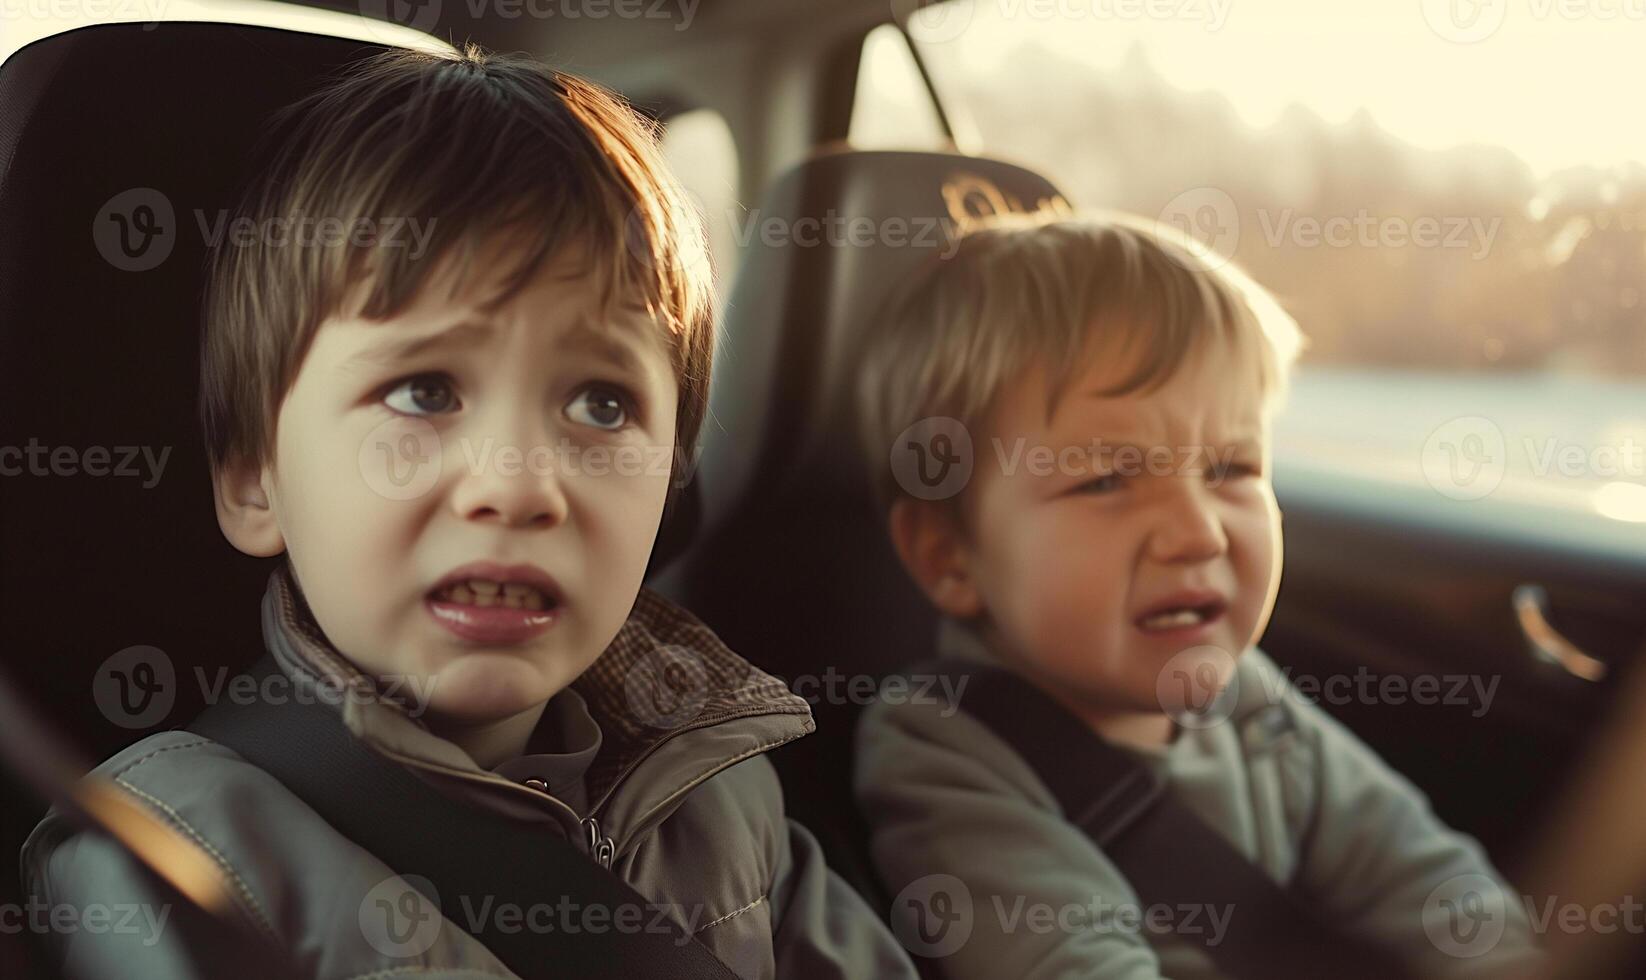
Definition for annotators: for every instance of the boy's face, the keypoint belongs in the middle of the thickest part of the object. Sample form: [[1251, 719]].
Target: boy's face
[[536, 433], [1074, 567]]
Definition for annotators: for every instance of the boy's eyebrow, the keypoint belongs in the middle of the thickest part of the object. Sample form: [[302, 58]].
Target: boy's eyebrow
[[1236, 441], [583, 335], [464, 333]]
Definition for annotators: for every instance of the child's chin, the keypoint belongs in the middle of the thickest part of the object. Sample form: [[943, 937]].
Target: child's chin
[[485, 687]]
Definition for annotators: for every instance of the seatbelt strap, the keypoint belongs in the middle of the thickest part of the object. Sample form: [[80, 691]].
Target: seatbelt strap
[[467, 853], [1168, 855]]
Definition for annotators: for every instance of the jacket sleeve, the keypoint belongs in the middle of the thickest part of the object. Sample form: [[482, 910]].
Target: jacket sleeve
[[821, 927], [100, 912], [1380, 863], [990, 879], [291, 877]]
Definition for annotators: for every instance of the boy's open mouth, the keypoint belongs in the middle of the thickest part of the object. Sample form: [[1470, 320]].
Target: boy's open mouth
[[486, 592], [495, 605], [1181, 612]]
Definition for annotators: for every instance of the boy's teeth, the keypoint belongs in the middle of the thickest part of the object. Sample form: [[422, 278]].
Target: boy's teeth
[[484, 592], [1173, 619]]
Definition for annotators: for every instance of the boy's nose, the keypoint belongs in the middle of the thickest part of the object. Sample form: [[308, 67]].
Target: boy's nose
[[1189, 528], [514, 492]]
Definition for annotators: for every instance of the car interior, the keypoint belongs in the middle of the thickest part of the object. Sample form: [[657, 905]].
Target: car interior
[[777, 544]]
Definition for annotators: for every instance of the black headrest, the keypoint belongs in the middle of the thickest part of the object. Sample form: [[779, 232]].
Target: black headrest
[[117, 143]]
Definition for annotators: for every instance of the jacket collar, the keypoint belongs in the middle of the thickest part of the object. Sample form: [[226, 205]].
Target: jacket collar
[[662, 679]]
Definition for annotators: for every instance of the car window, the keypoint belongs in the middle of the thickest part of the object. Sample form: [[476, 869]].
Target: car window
[[700, 149], [1441, 194], [892, 108]]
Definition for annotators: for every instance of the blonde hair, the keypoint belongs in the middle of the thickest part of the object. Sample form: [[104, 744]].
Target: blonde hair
[[1045, 288], [480, 145]]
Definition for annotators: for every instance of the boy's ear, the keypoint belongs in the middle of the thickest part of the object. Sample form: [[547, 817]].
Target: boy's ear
[[244, 511], [935, 552]]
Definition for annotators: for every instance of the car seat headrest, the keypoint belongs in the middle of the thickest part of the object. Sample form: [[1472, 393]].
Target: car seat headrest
[[113, 176], [826, 246]]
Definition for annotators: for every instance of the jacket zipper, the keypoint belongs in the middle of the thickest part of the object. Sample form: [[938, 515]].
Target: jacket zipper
[[602, 849], [701, 778], [600, 846]]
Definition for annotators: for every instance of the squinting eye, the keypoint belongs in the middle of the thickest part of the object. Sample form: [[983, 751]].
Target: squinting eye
[[600, 407], [1103, 484], [426, 394]]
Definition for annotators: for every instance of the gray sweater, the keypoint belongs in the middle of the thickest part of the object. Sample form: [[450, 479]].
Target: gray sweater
[[992, 879]]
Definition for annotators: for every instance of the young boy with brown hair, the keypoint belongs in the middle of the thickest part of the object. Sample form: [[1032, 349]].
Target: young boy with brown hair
[[462, 443]]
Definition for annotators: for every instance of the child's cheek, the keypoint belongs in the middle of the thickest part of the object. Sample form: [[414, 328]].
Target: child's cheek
[[1257, 548], [1067, 592]]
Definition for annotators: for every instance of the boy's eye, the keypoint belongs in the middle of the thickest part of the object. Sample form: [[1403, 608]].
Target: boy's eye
[[1237, 471], [1107, 483], [426, 394], [600, 406]]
